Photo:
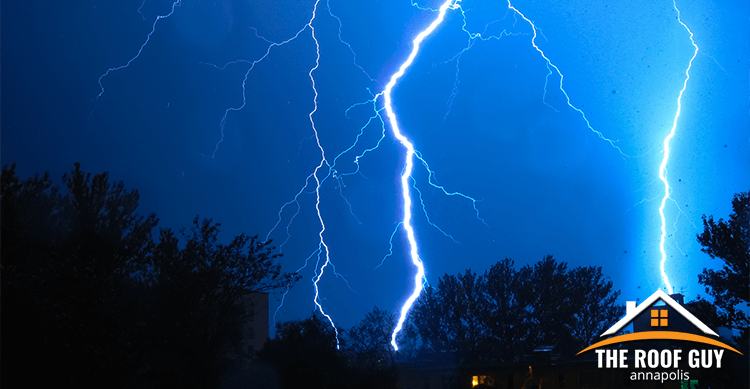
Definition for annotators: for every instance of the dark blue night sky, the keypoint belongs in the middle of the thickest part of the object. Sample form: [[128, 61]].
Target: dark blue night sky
[[544, 183]]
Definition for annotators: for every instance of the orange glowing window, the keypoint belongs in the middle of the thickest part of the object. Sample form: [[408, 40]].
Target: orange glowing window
[[659, 317], [482, 380]]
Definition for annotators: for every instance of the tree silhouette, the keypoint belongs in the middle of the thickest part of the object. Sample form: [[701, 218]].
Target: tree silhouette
[[596, 309], [507, 321], [65, 276], [196, 321], [304, 354], [730, 286], [506, 313], [369, 341], [548, 292], [92, 300], [448, 317]]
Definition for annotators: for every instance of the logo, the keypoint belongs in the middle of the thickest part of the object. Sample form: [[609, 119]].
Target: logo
[[653, 325]]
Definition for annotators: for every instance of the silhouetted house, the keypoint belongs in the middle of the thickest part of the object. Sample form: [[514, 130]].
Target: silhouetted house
[[255, 329], [246, 373], [429, 371]]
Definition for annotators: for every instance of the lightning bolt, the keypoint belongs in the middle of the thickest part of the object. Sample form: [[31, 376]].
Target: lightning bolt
[[409, 164], [322, 251], [327, 168], [322, 247], [410, 151], [176, 3], [551, 66], [473, 37], [665, 158]]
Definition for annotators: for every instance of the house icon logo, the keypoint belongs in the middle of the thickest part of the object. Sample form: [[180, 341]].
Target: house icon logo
[[660, 323], [668, 343]]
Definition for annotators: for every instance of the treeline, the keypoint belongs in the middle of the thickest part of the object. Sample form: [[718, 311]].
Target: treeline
[[505, 313], [95, 295], [91, 298], [469, 319]]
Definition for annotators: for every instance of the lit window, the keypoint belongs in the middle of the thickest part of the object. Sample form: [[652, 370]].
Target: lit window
[[481, 380]]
